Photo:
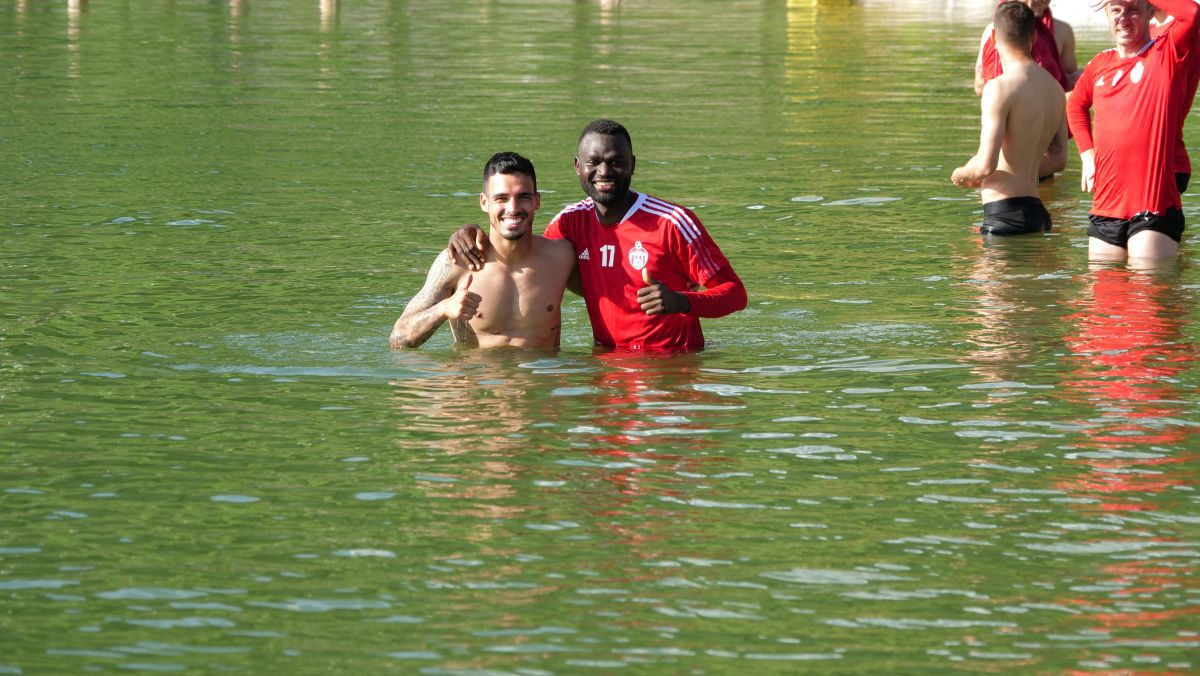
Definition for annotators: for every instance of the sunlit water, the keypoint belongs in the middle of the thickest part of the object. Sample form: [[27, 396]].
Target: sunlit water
[[914, 451]]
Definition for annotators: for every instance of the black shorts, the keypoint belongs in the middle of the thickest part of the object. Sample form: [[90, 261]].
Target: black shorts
[[1015, 216], [1181, 181], [1117, 231]]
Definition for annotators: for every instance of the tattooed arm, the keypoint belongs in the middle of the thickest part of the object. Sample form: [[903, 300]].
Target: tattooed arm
[[440, 299]]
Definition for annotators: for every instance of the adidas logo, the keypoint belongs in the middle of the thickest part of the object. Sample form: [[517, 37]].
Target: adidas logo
[[585, 256]]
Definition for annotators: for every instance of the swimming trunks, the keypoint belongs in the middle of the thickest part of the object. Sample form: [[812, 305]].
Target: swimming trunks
[[1117, 231], [1015, 216]]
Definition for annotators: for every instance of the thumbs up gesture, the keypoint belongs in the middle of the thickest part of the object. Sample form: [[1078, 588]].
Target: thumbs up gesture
[[657, 298], [463, 304]]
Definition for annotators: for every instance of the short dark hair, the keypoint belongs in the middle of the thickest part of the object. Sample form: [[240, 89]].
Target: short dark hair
[[1015, 23], [508, 162], [607, 128]]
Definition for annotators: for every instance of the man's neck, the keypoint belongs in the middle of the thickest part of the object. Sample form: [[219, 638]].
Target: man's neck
[[615, 213], [1013, 58], [509, 251], [1127, 52]]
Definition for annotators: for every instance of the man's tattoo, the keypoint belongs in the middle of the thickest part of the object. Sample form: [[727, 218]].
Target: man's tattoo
[[421, 316]]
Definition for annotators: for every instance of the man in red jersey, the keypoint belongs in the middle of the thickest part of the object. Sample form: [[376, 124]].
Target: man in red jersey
[[648, 269], [1159, 25], [1135, 93]]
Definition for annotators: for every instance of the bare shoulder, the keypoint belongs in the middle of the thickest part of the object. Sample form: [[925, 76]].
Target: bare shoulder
[[561, 251], [1063, 30], [445, 271], [555, 247], [996, 88]]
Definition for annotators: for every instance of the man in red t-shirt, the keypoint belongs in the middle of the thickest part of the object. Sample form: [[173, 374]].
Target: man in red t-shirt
[[1127, 146], [647, 267]]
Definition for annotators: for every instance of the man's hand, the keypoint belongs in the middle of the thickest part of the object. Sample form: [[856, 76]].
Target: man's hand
[[1087, 171], [656, 299], [467, 246], [964, 177], [463, 304]]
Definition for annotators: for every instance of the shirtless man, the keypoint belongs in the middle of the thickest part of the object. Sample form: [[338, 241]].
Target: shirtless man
[[515, 299], [1134, 93], [1022, 117], [1054, 50]]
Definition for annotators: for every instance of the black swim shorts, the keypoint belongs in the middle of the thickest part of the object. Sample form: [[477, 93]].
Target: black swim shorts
[[1015, 216], [1117, 231]]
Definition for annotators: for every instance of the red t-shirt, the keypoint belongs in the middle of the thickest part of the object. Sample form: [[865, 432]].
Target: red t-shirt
[[1183, 163], [666, 239], [1137, 105], [1045, 53]]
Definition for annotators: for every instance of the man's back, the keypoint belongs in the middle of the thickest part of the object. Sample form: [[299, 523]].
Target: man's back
[[1032, 104]]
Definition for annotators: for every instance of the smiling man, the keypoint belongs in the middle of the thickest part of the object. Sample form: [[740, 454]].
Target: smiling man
[[515, 297], [1134, 93], [648, 269]]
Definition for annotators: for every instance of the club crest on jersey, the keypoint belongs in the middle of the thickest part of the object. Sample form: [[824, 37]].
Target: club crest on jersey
[[1135, 75], [638, 256]]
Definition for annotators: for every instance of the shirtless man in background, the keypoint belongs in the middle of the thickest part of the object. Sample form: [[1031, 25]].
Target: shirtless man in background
[[1023, 115], [516, 298]]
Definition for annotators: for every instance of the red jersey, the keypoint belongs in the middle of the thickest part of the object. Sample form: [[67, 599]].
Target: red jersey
[[1137, 106], [665, 239], [1045, 53], [1183, 163]]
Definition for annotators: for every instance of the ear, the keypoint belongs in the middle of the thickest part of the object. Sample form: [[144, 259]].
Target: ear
[[537, 200], [483, 202], [632, 164]]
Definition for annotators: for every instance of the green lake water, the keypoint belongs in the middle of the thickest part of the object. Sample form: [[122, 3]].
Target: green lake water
[[914, 451]]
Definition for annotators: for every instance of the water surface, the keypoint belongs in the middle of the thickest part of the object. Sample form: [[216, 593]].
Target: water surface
[[915, 450]]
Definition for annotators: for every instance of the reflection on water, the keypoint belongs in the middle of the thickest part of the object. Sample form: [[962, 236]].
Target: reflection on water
[[1129, 351], [1017, 280], [917, 450]]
